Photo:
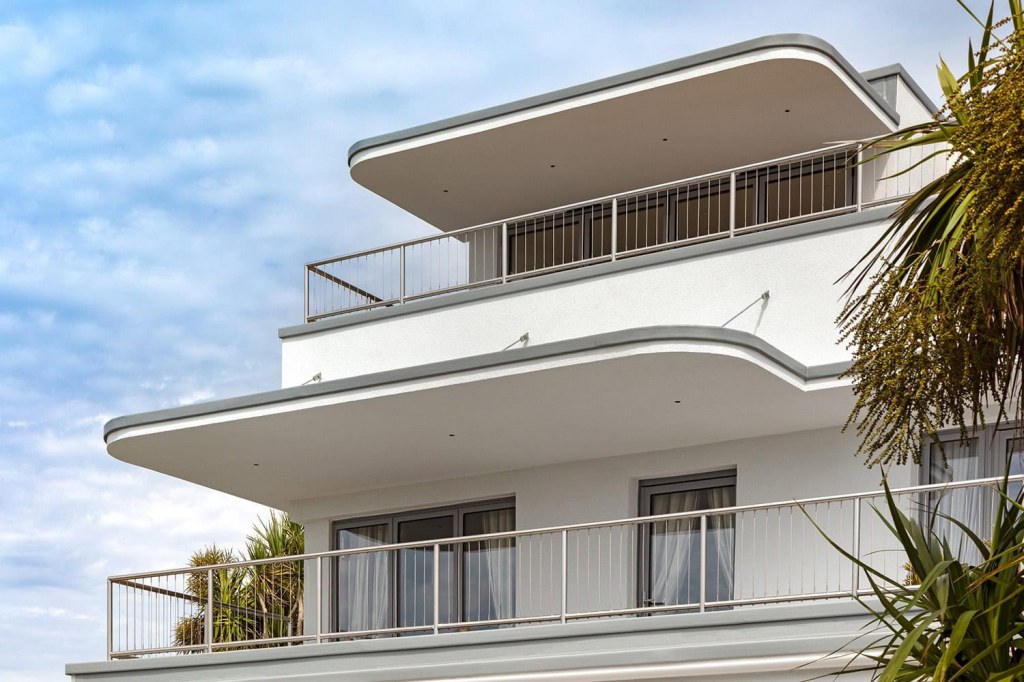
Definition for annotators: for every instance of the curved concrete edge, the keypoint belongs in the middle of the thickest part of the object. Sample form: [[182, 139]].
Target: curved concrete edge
[[541, 281], [898, 70], [804, 614], [675, 333], [782, 40]]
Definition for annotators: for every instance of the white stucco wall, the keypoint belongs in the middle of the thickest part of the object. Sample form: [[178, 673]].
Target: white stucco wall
[[769, 469], [717, 289], [911, 110], [773, 552]]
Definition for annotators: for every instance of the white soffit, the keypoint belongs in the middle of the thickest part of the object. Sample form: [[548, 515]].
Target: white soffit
[[743, 104], [596, 404]]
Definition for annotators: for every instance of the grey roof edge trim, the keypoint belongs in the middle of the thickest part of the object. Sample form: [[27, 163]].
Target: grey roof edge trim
[[780, 40], [898, 70], [671, 255], [639, 335], [768, 615]]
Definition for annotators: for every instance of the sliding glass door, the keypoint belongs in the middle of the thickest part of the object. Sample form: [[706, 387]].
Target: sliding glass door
[[670, 554], [381, 589]]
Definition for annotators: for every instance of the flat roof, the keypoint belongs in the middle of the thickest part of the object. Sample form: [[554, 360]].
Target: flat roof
[[682, 118]]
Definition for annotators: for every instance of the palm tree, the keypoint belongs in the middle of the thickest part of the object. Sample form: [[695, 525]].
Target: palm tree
[[949, 619], [248, 603], [231, 600], [935, 314], [277, 588]]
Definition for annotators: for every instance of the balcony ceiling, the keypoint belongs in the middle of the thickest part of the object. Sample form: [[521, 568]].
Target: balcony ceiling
[[293, 444], [738, 105]]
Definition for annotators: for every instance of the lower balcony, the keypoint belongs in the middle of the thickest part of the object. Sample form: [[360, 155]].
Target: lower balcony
[[696, 555]]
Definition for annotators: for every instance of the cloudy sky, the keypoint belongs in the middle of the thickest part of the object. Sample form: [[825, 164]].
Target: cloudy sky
[[165, 171]]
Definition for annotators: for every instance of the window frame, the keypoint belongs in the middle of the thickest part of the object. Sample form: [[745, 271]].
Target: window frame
[[457, 512], [990, 442], [647, 488]]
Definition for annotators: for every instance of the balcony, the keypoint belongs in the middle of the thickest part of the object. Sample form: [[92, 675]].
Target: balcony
[[724, 205], [712, 560]]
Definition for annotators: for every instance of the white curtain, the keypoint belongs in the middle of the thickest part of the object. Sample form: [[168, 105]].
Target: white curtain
[[675, 550], [498, 558], [364, 587], [968, 505], [721, 545], [675, 547]]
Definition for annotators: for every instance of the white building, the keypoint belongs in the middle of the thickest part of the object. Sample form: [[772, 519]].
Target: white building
[[627, 310]]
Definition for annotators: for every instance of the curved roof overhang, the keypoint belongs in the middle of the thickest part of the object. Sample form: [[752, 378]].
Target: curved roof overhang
[[742, 104], [644, 390]]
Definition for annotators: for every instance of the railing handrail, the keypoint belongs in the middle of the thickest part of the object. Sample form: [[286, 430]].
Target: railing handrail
[[633, 520], [588, 202]]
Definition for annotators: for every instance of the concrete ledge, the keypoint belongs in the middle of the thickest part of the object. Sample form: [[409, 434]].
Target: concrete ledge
[[642, 335], [778, 41], [808, 630], [671, 255]]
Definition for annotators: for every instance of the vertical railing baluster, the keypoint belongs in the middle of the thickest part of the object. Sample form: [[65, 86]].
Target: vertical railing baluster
[[565, 574], [305, 292], [437, 586], [732, 204], [615, 226], [703, 559], [503, 252], [209, 610], [110, 620], [858, 176], [401, 274], [319, 626], [855, 583]]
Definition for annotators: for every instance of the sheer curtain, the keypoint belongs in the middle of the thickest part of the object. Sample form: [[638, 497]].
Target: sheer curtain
[[363, 581], [498, 557], [968, 505], [721, 545], [675, 547]]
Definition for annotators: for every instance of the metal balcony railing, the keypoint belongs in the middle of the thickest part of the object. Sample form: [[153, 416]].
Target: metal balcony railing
[[712, 559], [715, 206]]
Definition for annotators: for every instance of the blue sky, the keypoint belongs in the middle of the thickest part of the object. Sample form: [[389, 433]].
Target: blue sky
[[166, 170]]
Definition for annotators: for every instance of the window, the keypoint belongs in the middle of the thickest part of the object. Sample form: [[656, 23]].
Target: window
[[670, 553], [395, 589], [985, 455]]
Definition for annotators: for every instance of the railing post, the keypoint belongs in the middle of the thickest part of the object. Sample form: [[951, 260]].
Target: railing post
[[855, 582], [110, 620], [437, 586], [732, 203], [504, 252], [401, 274], [209, 610], [703, 560], [858, 179], [305, 293], [615, 226], [565, 575], [318, 631]]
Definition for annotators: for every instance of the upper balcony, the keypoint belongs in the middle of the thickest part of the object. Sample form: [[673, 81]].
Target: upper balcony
[[721, 205]]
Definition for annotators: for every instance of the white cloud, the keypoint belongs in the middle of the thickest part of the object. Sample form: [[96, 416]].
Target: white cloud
[[24, 53], [105, 86]]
